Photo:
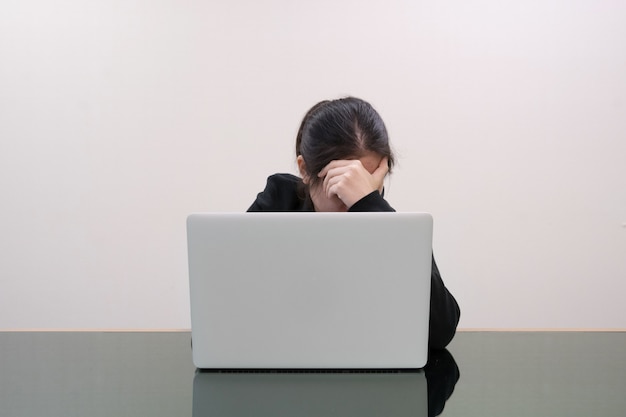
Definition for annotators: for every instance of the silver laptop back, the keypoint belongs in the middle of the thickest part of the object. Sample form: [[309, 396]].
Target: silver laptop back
[[309, 290]]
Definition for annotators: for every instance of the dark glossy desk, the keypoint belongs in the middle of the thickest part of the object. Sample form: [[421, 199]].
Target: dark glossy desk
[[151, 374]]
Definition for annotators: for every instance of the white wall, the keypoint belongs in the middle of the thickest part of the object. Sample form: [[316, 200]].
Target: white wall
[[119, 118]]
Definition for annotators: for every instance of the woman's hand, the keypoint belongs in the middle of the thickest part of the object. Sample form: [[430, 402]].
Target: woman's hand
[[350, 181]]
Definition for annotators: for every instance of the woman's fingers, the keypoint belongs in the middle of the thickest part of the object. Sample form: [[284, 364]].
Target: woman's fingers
[[334, 174], [334, 164], [332, 184], [348, 180]]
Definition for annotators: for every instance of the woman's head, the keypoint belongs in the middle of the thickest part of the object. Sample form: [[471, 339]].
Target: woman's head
[[347, 128]]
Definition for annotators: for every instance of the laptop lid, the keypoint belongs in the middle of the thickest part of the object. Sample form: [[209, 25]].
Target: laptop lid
[[309, 290]]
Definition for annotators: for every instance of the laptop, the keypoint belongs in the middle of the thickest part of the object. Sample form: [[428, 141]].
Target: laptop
[[309, 290]]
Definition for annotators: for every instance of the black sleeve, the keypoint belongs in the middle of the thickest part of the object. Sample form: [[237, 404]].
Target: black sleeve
[[371, 202], [444, 310]]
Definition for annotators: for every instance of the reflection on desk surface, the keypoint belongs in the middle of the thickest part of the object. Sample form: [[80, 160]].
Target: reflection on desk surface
[[309, 394], [513, 374], [347, 394]]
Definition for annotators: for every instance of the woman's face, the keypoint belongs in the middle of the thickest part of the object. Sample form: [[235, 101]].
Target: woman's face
[[321, 202]]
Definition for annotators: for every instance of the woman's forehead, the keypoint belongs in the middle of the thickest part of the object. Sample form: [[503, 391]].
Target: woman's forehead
[[370, 161]]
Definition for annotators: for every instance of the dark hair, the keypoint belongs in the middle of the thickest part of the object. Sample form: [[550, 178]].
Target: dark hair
[[340, 129]]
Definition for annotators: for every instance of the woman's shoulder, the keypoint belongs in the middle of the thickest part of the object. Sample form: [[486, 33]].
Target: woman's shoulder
[[283, 192], [284, 180]]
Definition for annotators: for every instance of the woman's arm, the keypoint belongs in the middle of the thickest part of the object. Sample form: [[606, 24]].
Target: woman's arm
[[444, 311]]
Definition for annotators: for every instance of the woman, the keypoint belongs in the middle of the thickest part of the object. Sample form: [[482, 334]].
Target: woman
[[343, 156]]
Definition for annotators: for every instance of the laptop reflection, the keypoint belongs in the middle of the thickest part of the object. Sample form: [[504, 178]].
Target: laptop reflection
[[309, 394]]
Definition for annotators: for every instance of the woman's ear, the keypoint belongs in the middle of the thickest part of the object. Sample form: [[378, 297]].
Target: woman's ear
[[302, 169]]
